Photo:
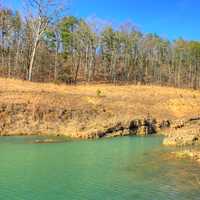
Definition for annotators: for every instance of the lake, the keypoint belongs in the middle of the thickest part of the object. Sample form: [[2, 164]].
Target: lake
[[128, 168]]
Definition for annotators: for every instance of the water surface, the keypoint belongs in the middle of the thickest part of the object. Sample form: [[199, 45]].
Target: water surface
[[128, 168]]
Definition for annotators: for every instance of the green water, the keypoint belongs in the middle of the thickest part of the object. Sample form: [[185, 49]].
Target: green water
[[128, 168]]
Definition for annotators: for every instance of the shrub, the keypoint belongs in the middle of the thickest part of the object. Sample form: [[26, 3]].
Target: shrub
[[98, 92]]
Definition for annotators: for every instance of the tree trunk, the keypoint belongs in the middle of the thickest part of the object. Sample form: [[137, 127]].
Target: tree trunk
[[32, 59], [55, 65], [77, 70]]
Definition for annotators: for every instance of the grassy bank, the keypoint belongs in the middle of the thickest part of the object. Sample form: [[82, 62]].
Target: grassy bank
[[78, 111]]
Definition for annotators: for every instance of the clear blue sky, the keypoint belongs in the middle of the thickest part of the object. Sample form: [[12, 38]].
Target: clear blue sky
[[168, 18]]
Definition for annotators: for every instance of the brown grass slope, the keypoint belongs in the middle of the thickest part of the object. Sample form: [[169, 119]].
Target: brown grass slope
[[37, 108]]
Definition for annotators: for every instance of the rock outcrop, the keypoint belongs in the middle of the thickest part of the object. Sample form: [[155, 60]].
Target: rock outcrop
[[137, 127], [183, 133], [25, 119]]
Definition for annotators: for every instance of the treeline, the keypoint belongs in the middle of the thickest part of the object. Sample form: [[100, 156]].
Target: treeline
[[44, 47]]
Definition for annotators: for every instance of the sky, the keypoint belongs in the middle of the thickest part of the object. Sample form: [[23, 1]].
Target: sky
[[170, 19]]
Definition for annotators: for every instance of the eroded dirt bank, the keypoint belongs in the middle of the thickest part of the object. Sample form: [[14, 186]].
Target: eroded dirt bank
[[93, 111], [22, 119]]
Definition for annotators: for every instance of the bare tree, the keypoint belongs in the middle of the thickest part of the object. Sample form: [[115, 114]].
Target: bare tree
[[68, 49], [41, 14]]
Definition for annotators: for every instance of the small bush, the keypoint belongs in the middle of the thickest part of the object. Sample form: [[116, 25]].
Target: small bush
[[98, 92]]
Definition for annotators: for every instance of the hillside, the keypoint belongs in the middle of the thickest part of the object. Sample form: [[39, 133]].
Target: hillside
[[88, 110]]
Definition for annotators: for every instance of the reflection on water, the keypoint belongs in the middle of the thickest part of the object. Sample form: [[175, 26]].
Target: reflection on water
[[121, 168]]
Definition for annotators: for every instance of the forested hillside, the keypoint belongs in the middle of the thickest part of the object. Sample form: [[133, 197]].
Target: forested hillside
[[47, 46]]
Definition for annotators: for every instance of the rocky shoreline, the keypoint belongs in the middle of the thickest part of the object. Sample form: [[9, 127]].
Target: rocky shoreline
[[82, 112], [22, 119], [25, 119], [185, 134]]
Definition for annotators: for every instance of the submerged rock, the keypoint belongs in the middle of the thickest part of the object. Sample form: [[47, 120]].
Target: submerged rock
[[44, 141], [193, 154], [48, 141]]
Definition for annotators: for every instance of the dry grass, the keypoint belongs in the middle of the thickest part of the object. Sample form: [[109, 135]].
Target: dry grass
[[130, 101], [92, 107]]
